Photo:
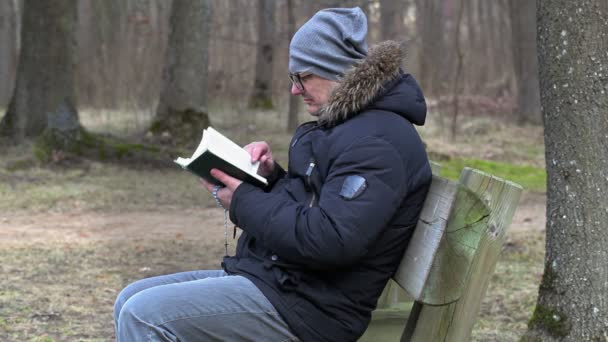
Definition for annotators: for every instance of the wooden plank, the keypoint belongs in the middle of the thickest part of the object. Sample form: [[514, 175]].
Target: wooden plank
[[454, 322], [439, 255], [394, 294], [387, 324], [415, 267], [435, 167], [448, 273], [428, 323]]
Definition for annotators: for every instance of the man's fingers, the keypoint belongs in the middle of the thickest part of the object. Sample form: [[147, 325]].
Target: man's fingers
[[257, 149], [230, 182], [207, 185], [255, 154]]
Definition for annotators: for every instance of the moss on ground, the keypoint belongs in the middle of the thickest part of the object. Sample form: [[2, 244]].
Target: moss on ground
[[551, 320], [54, 146], [548, 280], [261, 103], [530, 177], [179, 127]]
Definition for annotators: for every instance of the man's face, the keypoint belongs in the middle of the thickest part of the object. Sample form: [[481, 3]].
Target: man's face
[[316, 91]]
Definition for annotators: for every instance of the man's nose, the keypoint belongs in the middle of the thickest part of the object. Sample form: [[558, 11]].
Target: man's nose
[[295, 90]]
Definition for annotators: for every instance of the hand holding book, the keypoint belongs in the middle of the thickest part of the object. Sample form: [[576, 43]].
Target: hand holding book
[[224, 195], [217, 151], [260, 152]]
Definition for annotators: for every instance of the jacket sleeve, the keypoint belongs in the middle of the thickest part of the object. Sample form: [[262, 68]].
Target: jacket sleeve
[[337, 232], [277, 174]]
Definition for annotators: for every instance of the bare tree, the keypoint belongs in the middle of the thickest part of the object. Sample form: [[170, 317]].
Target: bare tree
[[430, 26], [523, 28], [182, 110], [262, 88], [44, 95], [391, 19], [292, 116], [9, 38], [456, 83], [572, 46]]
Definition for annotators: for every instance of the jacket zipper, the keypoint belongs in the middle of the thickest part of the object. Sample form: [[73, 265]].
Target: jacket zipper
[[311, 167], [312, 163]]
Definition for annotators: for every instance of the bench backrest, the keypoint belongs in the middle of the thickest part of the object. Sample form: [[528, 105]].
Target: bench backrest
[[452, 254]]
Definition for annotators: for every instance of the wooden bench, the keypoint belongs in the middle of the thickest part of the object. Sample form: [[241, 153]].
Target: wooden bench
[[448, 263]]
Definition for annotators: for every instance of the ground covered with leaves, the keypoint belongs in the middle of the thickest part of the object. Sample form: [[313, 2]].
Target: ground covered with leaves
[[71, 236]]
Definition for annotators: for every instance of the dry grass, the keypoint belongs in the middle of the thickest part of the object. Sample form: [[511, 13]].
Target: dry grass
[[513, 289], [489, 139], [66, 292]]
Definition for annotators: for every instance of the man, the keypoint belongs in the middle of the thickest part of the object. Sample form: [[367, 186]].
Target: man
[[320, 243]]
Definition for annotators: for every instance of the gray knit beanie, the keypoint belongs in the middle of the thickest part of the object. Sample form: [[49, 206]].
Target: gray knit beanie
[[329, 43]]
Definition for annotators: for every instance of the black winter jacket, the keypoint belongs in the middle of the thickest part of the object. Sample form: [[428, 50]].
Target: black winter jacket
[[320, 254]]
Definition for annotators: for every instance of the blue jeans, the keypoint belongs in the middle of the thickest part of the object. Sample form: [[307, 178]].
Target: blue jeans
[[197, 306]]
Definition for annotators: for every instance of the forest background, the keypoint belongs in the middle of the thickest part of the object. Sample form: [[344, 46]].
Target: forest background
[[75, 230]]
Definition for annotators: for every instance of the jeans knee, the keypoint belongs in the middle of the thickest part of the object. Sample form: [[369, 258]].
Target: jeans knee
[[121, 299], [127, 314], [138, 307], [118, 306], [132, 322], [124, 295]]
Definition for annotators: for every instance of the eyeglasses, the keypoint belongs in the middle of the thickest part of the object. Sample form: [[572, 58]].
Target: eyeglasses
[[297, 79]]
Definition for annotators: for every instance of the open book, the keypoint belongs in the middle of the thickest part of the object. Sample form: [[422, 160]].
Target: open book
[[215, 151]]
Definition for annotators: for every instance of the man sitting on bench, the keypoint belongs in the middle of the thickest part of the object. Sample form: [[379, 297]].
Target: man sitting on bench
[[320, 243]]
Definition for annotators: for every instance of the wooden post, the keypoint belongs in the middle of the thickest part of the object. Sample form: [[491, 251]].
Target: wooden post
[[473, 237]]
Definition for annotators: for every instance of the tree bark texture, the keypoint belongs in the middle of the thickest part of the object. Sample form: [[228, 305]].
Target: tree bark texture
[[294, 101], [44, 94], [573, 295], [121, 52], [261, 96], [391, 19], [429, 23], [9, 35], [523, 32], [456, 83], [182, 109]]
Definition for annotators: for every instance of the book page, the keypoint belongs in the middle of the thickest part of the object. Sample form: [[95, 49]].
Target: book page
[[183, 162], [200, 149], [230, 151], [202, 146]]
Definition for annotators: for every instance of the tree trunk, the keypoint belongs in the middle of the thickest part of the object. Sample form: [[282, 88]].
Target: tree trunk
[[262, 87], [294, 101], [456, 84], [391, 19], [523, 28], [182, 113], [429, 23], [8, 54], [572, 303], [44, 95]]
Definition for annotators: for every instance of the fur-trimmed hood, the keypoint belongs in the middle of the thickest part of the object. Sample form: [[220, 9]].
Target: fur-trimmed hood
[[376, 83]]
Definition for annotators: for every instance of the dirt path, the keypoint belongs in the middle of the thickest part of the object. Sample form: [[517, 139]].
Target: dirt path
[[94, 226], [191, 224]]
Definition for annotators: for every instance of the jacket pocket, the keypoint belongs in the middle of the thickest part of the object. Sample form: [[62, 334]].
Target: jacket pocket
[[288, 281]]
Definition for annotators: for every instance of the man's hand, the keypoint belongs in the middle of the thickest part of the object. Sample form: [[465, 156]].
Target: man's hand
[[224, 194], [260, 151]]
